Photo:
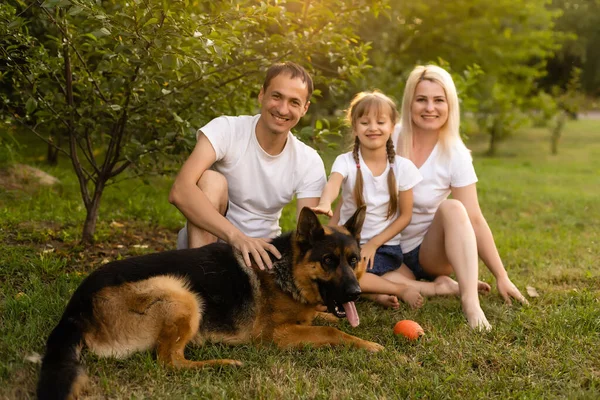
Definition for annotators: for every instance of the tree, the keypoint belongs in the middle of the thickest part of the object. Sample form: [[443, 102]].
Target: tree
[[567, 103], [134, 78], [508, 41], [580, 23]]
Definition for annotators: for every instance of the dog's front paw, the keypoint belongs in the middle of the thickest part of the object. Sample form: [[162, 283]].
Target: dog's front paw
[[328, 317], [372, 346]]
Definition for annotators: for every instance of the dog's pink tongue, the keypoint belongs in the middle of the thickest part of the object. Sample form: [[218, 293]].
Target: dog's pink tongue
[[351, 313]]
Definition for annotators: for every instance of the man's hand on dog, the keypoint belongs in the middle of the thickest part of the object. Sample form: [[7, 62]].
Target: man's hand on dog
[[258, 248]]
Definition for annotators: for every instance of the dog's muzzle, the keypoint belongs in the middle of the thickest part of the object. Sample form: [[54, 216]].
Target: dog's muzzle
[[339, 299]]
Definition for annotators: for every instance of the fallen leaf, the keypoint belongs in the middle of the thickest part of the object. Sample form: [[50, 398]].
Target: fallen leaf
[[140, 246], [34, 358], [116, 224], [532, 292]]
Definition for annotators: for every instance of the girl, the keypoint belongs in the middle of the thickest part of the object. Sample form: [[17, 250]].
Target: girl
[[372, 174]]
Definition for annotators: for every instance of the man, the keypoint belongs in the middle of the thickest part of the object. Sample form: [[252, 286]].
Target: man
[[256, 167]]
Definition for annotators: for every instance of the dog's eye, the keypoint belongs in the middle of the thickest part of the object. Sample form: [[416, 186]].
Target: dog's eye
[[328, 260], [353, 261]]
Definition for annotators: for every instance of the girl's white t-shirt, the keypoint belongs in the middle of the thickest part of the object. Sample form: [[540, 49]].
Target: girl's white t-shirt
[[375, 192], [439, 174]]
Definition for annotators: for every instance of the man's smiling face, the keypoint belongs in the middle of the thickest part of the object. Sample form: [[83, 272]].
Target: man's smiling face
[[283, 103]]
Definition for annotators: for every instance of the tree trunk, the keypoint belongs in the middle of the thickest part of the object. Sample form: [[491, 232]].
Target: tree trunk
[[495, 134], [557, 131], [89, 226], [493, 142], [52, 155]]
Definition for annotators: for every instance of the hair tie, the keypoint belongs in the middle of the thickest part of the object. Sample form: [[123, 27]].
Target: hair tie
[[357, 165]]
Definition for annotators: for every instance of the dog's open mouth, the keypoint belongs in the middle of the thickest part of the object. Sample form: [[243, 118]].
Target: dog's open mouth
[[347, 310], [341, 309]]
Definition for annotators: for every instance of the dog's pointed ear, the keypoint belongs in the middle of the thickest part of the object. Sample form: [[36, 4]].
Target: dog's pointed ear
[[309, 227], [355, 223]]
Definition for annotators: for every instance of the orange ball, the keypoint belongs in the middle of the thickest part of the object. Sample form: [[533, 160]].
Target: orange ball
[[409, 329]]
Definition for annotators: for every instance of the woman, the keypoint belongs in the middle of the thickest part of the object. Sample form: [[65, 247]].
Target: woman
[[445, 235]]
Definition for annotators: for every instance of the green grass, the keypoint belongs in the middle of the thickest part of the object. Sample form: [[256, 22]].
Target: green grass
[[543, 211]]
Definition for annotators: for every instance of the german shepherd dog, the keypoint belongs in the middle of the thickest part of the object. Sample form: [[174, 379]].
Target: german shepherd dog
[[165, 300]]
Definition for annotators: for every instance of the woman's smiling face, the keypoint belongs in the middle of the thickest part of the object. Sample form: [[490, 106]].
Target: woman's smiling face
[[429, 107]]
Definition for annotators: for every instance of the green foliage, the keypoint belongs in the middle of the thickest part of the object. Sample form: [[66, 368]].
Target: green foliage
[[570, 98], [580, 24], [119, 85], [8, 150], [552, 110], [505, 43], [543, 108], [499, 111], [166, 68], [502, 37]]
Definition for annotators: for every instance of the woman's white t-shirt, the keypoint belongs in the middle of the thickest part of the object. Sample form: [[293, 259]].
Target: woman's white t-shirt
[[439, 175], [375, 192]]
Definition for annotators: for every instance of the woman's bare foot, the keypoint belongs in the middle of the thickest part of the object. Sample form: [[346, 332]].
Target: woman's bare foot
[[385, 300], [476, 318], [412, 297], [446, 286]]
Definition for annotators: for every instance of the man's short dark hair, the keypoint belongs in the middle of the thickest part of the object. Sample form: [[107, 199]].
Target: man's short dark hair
[[294, 70]]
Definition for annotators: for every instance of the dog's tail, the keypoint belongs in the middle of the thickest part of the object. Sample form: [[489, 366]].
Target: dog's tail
[[62, 376]]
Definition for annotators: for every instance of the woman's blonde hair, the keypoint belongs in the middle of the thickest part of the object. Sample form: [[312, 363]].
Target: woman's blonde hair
[[365, 103], [449, 133]]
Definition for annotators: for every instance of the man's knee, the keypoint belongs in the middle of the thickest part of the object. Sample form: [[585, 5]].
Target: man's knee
[[214, 186]]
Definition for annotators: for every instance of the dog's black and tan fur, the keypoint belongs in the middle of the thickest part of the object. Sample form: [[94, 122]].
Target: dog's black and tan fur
[[165, 300]]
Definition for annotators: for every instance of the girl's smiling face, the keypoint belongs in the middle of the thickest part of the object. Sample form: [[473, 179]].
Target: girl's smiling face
[[374, 128]]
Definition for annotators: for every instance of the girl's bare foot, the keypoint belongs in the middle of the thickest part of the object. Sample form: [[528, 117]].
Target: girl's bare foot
[[385, 300], [412, 297], [446, 286], [483, 287], [476, 318]]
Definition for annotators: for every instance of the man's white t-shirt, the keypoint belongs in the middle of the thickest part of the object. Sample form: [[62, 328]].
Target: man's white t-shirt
[[439, 175], [260, 184], [375, 192]]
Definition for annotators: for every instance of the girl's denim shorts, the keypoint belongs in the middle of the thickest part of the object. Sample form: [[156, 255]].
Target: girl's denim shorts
[[387, 258]]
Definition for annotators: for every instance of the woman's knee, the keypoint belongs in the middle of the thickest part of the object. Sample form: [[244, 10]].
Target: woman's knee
[[214, 186], [454, 211]]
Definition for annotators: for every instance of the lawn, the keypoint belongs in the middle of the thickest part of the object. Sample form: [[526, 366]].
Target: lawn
[[544, 213]]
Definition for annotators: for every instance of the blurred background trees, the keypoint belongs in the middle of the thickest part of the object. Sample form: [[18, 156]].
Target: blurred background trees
[[119, 87]]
